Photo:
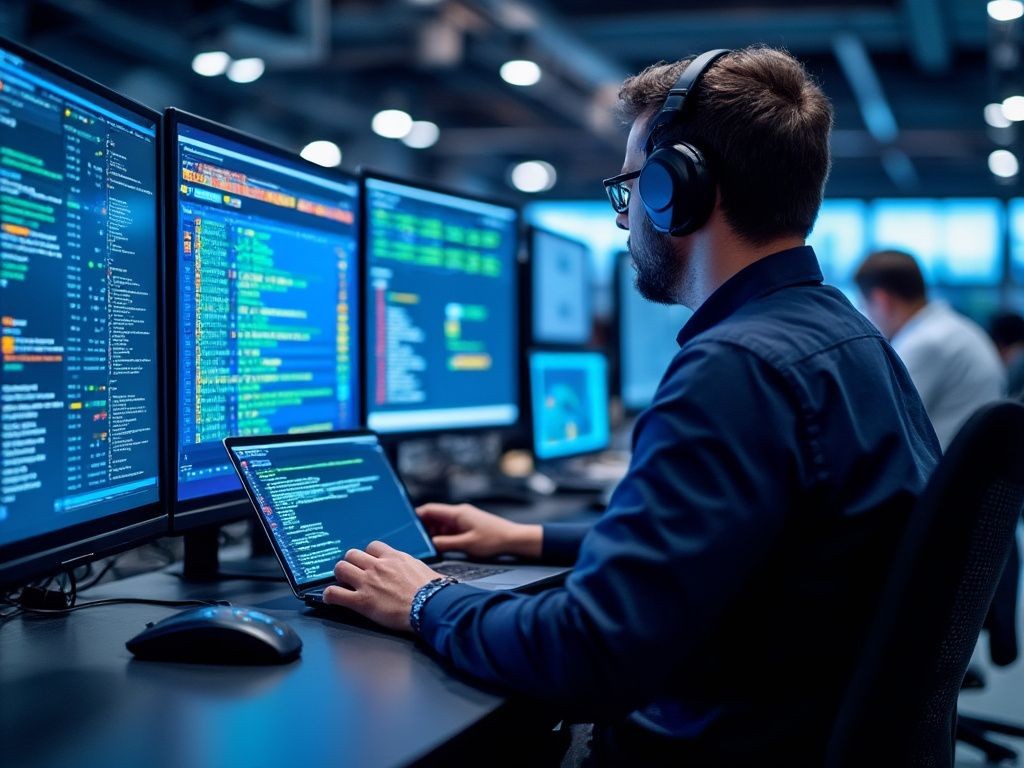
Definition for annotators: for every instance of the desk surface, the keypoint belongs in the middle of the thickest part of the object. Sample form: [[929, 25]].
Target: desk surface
[[72, 694]]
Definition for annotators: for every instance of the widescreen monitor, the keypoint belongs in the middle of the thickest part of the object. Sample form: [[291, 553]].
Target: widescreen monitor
[[569, 403], [80, 390], [264, 255], [647, 338], [441, 315], [839, 239], [561, 307], [957, 241]]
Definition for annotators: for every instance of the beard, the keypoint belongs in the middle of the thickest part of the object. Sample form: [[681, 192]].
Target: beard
[[659, 269]]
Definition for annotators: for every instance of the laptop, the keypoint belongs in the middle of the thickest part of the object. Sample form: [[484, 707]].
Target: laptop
[[321, 494]]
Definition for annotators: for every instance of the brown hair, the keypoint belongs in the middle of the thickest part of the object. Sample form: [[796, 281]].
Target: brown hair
[[763, 125], [895, 272]]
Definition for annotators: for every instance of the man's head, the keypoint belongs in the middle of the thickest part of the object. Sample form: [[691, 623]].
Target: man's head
[[763, 127], [892, 287], [1007, 331]]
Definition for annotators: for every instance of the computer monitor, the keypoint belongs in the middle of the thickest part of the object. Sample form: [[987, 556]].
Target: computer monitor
[[80, 385], [568, 403], [839, 239], [1016, 224], [263, 254], [442, 318], [559, 289], [957, 241], [646, 338]]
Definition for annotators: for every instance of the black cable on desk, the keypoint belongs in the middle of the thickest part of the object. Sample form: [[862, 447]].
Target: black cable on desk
[[123, 601]]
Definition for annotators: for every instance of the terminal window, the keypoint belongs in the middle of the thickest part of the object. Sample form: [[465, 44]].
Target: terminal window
[[441, 303], [78, 304], [267, 264]]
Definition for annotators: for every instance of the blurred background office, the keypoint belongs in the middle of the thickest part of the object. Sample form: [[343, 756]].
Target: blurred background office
[[513, 99]]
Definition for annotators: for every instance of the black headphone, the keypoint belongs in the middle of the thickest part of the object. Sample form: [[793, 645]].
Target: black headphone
[[675, 185]]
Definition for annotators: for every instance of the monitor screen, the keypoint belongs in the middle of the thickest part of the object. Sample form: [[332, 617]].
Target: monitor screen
[[267, 298], [322, 497], [441, 310], [79, 255], [569, 401], [839, 239], [560, 278], [647, 339], [1017, 239], [955, 240]]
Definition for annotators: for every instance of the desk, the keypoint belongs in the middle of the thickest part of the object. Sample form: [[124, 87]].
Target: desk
[[72, 694]]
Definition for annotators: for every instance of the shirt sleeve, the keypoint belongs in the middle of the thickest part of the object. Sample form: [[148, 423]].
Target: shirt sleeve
[[561, 542], [704, 500]]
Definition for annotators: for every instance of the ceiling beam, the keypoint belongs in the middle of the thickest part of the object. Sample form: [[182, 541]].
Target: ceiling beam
[[929, 41]]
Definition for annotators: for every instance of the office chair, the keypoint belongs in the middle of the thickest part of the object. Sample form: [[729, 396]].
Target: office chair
[[900, 707]]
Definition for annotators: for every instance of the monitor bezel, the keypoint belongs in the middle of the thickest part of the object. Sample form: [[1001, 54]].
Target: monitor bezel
[[56, 551], [228, 506], [528, 302], [579, 352], [390, 437]]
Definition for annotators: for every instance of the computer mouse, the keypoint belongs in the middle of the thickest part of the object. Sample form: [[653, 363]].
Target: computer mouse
[[218, 634]]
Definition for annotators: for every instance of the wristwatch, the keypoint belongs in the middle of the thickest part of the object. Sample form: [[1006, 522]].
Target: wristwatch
[[423, 594]]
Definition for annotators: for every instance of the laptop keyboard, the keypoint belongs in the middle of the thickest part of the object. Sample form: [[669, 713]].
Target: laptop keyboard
[[468, 572]]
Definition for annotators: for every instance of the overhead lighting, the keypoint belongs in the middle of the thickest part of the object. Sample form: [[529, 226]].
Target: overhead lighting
[[422, 134], [533, 176], [1013, 108], [211, 63], [392, 123], [1003, 164], [994, 116], [1005, 10], [246, 70], [520, 72], [325, 153]]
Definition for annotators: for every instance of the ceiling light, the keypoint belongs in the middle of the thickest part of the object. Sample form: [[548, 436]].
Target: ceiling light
[[246, 70], [533, 176], [1003, 164], [422, 134], [520, 72], [1013, 108], [392, 123], [1005, 10], [211, 63], [994, 116], [325, 153]]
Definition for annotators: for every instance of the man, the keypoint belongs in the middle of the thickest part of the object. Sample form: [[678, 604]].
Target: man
[[1007, 331], [717, 607], [951, 360]]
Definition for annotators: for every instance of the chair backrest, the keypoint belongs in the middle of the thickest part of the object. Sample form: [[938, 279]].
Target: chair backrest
[[900, 708]]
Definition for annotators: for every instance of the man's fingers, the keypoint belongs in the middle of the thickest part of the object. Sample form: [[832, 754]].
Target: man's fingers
[[449, 543], [359, 558], [436, 513], [346, 598], [349, 574], [379, 549]]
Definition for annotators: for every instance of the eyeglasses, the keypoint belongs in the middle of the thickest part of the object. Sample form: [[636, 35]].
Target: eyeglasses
[[618, 190]]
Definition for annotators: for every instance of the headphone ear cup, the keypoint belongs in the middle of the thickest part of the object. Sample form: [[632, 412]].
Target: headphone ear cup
[[676, 189]]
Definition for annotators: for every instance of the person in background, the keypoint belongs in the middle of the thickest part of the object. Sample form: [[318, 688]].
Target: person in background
[[1007, 331], [950, 358]]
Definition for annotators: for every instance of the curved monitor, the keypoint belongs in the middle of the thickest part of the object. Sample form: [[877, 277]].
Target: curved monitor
[[440, 290], [80, 379], [264, 266]]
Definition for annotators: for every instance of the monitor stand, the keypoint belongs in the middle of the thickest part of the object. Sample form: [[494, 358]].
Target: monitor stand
[[202, 563]]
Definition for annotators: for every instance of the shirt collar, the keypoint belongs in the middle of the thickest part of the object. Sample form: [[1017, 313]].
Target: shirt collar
[[793, 266]]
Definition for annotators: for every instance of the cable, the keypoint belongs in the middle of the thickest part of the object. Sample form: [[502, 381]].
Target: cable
[[124, 601], [103, 572]]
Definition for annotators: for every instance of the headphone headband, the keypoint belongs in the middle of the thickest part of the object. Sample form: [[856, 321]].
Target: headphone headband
[[676, 99]]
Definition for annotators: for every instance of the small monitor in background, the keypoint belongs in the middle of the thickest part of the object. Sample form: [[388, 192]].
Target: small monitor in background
[[560, 289], [1016, 224], [441, 310], [569, 403], [647, 338], [80, 328], [839, 239], [266, 294]]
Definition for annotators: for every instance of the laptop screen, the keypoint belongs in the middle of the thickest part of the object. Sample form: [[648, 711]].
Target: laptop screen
[[320, 497]]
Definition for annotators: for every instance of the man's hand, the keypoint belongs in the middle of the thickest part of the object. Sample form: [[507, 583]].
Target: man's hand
[[479, 534], [379, 583]]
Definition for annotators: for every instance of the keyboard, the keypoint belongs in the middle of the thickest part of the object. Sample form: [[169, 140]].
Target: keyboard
[[468, 571]]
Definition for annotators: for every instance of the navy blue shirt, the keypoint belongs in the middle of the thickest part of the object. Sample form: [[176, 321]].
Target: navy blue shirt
[[722, 597]]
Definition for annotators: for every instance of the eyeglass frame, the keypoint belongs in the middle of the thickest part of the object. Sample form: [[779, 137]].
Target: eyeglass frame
[[619, 183]]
